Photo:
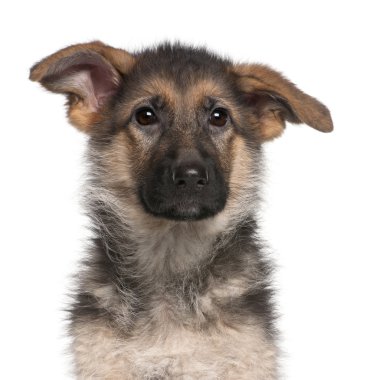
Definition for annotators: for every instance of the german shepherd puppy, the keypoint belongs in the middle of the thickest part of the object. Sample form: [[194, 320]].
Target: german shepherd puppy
[[175, 284]]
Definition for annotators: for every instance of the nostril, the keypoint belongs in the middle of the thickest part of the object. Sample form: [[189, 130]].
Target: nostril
[[201, 182], [180, 183]]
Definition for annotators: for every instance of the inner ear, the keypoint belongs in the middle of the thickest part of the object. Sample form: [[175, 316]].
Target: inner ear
[[86, 77], [89, 74], [270, 112]]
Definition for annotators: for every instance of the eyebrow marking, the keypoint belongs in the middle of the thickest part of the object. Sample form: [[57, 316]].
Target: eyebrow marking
[[209, 103]]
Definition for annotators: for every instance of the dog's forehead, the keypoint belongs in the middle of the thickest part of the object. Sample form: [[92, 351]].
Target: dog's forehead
[[194, 92], [177, 73], [180, 61]]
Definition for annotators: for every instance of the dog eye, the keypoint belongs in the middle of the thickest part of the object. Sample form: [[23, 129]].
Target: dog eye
[[146, 116], [218, 117]]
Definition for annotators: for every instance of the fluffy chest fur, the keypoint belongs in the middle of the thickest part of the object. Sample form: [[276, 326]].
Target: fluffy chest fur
[[197, 320], [173, 352]]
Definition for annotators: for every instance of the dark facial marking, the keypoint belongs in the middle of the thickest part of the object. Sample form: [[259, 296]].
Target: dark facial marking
[[185, 184]]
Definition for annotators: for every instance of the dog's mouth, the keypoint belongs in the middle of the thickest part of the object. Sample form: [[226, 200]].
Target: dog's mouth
[[184, 202], [183, 208]]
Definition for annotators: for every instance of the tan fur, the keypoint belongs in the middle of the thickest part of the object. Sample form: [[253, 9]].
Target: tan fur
[[242, 181], [202, 89], [165, 88], [80, 116], [271, 126], [172, 352]]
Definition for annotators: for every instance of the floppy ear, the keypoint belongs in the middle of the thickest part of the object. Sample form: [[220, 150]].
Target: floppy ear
[[273, 100], [89, 74]]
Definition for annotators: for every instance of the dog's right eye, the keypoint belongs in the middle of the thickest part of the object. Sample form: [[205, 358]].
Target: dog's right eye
[[146, 116]]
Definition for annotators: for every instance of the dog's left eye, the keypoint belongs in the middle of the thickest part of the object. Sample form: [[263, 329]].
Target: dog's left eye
[[218, 117], [146, 116]]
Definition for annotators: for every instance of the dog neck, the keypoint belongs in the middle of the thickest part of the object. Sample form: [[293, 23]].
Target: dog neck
[[157, 248]]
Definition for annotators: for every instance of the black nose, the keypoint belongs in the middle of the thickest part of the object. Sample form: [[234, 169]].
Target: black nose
[[190, 176]]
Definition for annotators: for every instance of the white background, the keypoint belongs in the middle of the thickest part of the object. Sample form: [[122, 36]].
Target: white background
[[315, 214]]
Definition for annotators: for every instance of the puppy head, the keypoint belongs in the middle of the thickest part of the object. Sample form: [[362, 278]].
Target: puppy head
[[175, 132]]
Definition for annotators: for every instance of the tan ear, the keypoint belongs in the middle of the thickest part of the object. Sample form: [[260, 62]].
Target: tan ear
[[89, 74], [273, 100]]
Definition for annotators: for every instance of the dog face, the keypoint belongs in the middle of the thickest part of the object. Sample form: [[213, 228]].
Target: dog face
[[175, 132], [178, 121]]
